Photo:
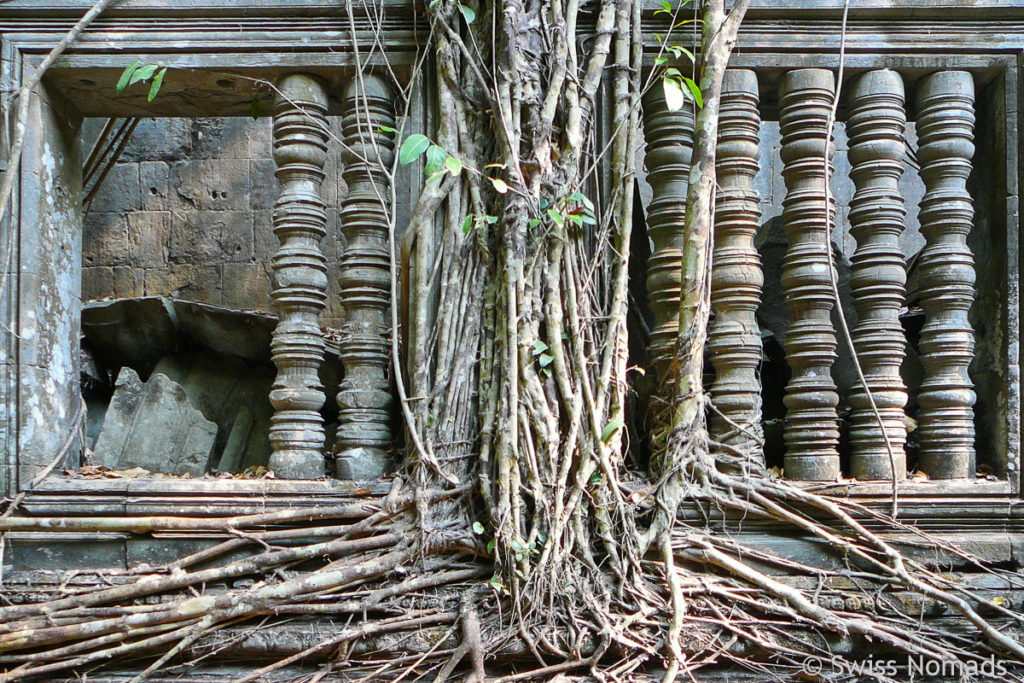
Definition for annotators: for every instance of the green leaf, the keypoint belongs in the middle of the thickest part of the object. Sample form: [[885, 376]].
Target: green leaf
[[143, 73], [468, 13], [491, 220], [122, 83], [500, 186], [660, 60], [666, 8], [544, 204], [453, 165], [517, 545], [545, 360], [157, 82], [412, 147], [386, 129], [467, 224], [254, 107], [539, 347], [436, 175], [478, 528], [534, 222], [496, 581], [695, 91], [658, 36], [490, 546], [674, 97], [556, 217], [610, 430], [588, 218], [435, 159]]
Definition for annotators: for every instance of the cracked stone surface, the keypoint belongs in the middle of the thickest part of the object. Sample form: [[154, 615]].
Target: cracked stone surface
[[153, 425]]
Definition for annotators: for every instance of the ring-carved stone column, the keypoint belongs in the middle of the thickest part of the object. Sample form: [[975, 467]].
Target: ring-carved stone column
[[811, 431], [364, 400], [736, 278], [300, 278], [669, 150], [945, 128], [878, 272]]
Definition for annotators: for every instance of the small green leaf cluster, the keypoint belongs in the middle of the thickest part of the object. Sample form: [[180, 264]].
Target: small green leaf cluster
[[576, 209], [468, 13], [544, 359], [137, 72], [439, 162], [474, 221], [676, 86], [610, 429], [673, 84]]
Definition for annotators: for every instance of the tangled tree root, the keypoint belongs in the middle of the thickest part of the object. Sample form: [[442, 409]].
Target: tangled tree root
[[699, 597]]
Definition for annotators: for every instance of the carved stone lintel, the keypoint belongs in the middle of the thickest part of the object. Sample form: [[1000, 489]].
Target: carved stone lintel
[[669, 149], [300, 278], [735, 339], [364, 399], [811, 431], [878, 272], [945, 129]]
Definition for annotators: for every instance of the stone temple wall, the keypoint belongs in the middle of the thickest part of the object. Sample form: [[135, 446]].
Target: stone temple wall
[[187, 213]]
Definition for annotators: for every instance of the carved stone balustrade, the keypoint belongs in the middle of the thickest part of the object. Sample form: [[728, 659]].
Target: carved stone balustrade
[[945, 128], [669, 150], [811, 431], [300, 278], [364, 398], [876, 128], [735, 338]]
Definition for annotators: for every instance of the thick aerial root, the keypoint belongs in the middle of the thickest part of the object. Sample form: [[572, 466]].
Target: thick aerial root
[[700, 597]]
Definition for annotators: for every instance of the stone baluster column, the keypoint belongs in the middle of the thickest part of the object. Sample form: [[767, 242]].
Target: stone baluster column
[[736, 279], [878, 272], [811, 431], [364, 399], [945, 130], [669, 149], [300, 278]]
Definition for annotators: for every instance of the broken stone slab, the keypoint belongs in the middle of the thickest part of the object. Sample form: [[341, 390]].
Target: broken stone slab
[[219, 356], [154, 426], [135, 332], [139, 332], [238, 439], [116, 424], [221, 387]]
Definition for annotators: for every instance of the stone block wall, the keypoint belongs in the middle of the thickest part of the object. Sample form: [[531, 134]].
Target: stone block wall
[[187, 213]]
